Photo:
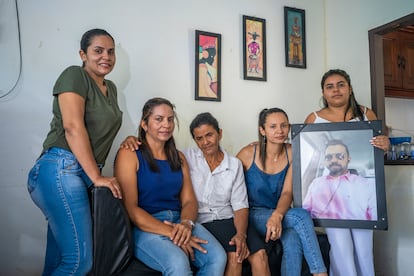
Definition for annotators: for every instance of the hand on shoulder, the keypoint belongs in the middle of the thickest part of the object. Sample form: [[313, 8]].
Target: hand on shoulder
[[131, 142], [247, 150]]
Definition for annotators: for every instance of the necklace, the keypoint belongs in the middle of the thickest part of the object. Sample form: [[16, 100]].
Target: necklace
[[277, 155]]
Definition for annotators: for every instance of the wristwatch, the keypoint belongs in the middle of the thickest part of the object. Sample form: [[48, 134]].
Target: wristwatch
[[190, 222]]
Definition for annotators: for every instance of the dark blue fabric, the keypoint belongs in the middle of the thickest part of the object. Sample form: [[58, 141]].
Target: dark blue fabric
[[264, 189], [158, 191]]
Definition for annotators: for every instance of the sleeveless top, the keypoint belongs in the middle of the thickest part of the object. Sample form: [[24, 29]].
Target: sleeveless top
[[264, 189], [322, 120], [158, 191]]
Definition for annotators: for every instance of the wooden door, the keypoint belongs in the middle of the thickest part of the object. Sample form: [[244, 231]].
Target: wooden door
[[407, 66], [392, 59]]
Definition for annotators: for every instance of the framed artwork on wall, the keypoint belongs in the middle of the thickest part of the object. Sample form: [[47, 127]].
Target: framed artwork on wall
[[338, 175], [207, 66], [254, 48], [295, 38]]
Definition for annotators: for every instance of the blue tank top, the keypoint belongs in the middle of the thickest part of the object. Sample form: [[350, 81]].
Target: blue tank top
[[264, 189], [158, 191]]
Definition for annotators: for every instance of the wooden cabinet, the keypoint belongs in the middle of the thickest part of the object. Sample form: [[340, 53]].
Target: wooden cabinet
[[398, 49]]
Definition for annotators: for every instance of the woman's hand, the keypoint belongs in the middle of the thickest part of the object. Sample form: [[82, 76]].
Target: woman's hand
[[242, 251], [180, 233], [131, 142], [274, 227], [381, 142], [111, 183], [194, 243]]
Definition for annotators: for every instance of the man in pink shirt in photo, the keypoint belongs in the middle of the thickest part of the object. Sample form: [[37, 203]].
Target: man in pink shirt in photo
[[341, 194]]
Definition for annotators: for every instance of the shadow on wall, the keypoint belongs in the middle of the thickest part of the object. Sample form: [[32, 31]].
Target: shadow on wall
[[121, 76]]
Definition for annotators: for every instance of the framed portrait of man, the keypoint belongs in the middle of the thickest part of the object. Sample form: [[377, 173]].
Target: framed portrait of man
[[338, 176]]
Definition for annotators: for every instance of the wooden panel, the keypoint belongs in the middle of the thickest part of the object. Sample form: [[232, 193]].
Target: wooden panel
[[392, 57], [408, 64]]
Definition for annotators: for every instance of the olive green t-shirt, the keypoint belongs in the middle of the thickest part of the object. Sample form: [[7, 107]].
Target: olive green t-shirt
[[102, 114]]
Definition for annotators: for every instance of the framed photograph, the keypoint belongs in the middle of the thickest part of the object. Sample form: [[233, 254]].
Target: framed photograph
[[338, 176], [254, 48], [295, 38], [207, 66]]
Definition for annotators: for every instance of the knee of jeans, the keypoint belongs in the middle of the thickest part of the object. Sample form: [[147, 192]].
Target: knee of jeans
[[291, 240], [219, 257], [303, 214], [179, 266], [77, 265], [216, 259]]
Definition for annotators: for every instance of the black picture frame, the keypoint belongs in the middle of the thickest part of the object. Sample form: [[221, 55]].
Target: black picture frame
[[295, 37], [207, 66], [254, 48], [308, 166]]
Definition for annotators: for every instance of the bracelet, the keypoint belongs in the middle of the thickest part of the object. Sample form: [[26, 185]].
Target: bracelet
[[190, 222]]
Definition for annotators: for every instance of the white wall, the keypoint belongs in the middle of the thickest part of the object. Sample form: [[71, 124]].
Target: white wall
[[394, 248], [155, 50], [399, 114]]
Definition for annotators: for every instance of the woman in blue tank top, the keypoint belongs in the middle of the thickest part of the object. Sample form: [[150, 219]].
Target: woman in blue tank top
[[160, 200], [268, 174]]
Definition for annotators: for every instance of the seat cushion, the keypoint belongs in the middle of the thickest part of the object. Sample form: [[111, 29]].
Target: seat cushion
[[112, 237]]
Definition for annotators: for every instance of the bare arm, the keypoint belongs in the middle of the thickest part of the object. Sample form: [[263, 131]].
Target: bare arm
[[188, 199], [126, 166], [274, 223], [310, 118], [181, 232], [241, 218], [380, 141], [72, 107], [245, 155]]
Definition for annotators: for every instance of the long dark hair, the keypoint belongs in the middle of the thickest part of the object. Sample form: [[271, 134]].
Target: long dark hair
[[88, 36], [352, 103], [262, 139], [171, 151]]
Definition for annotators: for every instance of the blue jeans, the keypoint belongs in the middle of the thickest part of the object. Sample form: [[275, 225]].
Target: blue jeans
[[56, 185], [159, 253], [298, 239]]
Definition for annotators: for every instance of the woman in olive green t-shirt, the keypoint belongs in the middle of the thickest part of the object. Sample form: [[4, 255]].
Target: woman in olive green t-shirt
[[86, 118]]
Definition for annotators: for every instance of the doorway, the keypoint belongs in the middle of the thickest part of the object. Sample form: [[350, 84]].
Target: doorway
[[375, 37]]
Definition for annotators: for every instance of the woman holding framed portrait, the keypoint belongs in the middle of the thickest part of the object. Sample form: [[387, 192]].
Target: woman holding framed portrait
[[351, 249]]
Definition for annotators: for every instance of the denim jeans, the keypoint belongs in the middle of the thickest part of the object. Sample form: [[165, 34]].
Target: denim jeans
[[159, 253], [56, 185], [298, 239]]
